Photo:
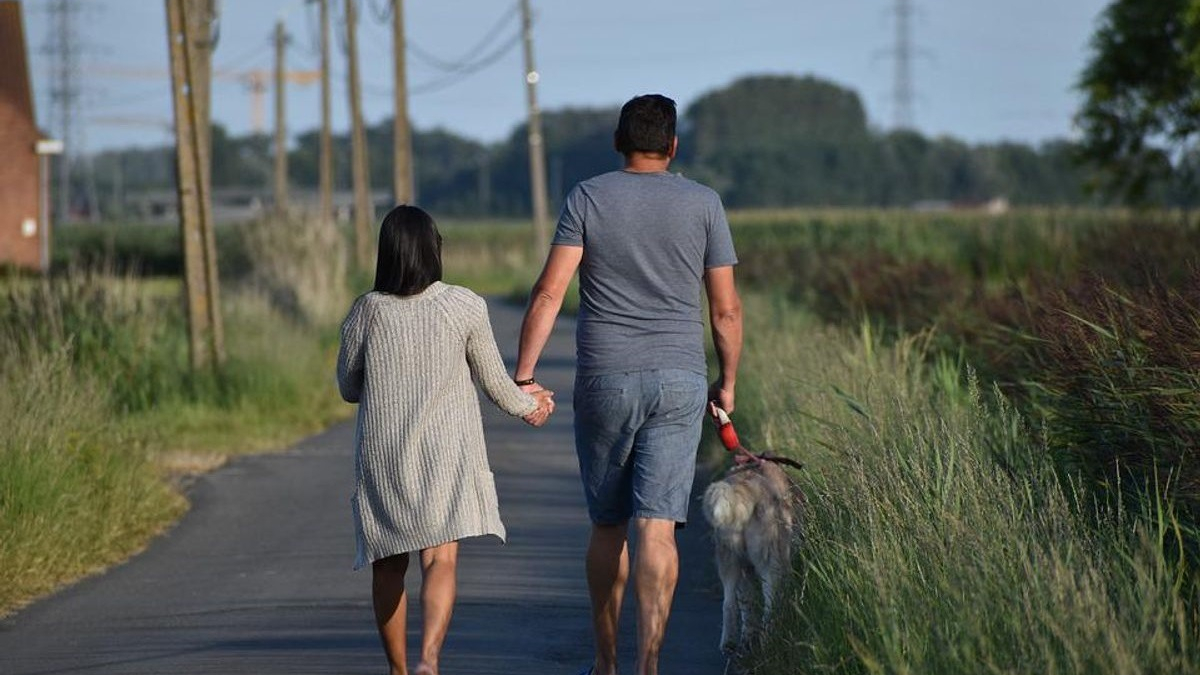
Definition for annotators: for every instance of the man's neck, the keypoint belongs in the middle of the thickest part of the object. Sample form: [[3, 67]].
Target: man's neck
[[644, 162]]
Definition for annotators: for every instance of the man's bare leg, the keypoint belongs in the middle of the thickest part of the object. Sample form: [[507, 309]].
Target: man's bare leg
[[607, 571], [655, 572], [391, 608], [439, 585]]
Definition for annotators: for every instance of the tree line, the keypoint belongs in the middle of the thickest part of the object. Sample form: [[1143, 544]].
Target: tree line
[[762, 141]]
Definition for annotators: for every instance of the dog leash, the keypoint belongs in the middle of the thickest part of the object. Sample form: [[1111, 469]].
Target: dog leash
[[729, 439]]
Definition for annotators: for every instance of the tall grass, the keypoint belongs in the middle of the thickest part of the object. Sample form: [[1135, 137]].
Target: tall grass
[[77, 491], [99, 408], [1088, 319], [939, 537]]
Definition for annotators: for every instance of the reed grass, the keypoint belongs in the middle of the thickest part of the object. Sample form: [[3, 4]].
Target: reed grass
[[939, 537]]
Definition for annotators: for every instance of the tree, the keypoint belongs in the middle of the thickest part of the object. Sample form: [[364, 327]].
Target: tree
[[777, 140], [1141, 116]]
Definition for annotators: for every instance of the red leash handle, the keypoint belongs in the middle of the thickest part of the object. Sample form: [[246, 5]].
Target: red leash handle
[[725, 430], [729, 437]]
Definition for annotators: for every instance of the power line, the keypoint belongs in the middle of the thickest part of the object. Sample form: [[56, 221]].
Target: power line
[[246, 57], [467, 59], [381, 15], [446, 81], [463, 73]]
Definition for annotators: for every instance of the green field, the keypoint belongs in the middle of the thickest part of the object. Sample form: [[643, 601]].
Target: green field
[[998, 415]]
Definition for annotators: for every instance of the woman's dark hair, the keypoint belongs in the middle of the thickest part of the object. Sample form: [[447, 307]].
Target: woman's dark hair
[[647, 124], [410, 252]]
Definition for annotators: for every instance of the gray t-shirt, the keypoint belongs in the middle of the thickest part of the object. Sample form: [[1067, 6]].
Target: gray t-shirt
[[647, 239]]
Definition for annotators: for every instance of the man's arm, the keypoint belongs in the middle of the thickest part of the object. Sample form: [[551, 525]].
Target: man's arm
[[725, 313], [545, 301]]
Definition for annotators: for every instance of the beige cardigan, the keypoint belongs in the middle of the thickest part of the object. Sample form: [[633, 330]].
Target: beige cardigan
[[421, 468]]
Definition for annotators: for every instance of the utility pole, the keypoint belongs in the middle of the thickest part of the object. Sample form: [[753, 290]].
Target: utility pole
[[281, 163], [189, 44], [402, 171], [325, 160], [202, 28], [363, 211], [537, 150]]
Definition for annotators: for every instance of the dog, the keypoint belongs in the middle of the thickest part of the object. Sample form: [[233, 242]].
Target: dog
[[754, 511]]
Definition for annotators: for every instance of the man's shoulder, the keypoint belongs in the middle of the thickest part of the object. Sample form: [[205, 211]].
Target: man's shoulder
[[700, 189], [600, 181], [624, 180]]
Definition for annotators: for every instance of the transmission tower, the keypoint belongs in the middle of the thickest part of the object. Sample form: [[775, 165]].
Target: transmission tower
[[902, 56], [64, 49]]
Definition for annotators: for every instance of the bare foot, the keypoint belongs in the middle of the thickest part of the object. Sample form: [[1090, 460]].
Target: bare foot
[[424, 668]]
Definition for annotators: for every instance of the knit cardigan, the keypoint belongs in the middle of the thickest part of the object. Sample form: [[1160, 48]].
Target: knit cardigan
[[421, 468]]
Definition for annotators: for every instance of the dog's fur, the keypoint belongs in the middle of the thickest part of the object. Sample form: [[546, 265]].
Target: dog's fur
[[754, 512]]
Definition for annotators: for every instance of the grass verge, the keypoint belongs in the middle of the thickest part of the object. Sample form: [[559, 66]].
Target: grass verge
[[940, 537], [102, 413]]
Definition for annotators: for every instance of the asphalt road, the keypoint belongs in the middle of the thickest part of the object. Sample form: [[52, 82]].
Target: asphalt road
[[257, 578]]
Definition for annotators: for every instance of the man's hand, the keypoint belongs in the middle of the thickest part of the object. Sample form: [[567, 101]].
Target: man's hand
[[721, 395], [545, 403]]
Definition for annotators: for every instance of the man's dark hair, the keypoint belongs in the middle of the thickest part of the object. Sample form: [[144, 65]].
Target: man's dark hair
[[647, 124], [410, 252]]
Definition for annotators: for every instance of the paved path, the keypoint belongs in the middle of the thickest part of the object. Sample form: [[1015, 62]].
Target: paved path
[[256, 578]]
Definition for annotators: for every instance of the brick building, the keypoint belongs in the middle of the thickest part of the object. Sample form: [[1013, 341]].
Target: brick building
[[22, 240]]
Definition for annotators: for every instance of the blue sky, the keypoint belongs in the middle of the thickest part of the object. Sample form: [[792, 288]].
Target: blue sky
[[993, 70]]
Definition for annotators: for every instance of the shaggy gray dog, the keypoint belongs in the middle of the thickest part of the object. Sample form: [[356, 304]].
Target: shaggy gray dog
[[753, 511]]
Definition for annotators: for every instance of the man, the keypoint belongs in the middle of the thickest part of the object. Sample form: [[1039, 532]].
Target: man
[[644, 242]]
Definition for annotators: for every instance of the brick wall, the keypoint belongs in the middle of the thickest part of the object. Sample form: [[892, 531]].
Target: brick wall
[[19, 244]]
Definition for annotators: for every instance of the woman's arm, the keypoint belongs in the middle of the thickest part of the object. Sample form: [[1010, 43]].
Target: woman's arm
[[350, 354], [488, 368]]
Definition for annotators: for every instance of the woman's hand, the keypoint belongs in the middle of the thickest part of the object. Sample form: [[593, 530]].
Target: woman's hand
[[545, 402]]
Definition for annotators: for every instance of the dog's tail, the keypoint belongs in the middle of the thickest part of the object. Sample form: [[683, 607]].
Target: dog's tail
[[723, 509]]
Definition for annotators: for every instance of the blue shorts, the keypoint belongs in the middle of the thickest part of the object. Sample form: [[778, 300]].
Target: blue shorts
[[636, 436]]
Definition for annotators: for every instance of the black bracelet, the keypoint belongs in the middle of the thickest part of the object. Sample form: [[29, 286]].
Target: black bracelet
[[525, 383]]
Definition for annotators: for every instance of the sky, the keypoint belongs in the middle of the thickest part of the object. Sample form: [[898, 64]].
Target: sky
[[985, 70]]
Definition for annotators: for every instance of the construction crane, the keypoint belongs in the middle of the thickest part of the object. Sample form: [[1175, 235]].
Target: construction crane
[[257, 81], [161, 123]]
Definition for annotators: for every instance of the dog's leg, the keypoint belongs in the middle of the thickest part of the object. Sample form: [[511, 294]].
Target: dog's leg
[[772, 576], [747, 606], [730, 571]]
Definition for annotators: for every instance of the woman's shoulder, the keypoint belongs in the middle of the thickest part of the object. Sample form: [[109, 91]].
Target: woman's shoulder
[[462, 295]]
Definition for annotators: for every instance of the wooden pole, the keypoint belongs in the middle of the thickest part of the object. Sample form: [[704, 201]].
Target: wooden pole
[[188, 185], [281, 160], [364, 213], [402, 173], [199, 62], [537, 150], [325, 166]]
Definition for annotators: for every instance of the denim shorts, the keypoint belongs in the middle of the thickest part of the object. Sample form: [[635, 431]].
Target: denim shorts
[[636, 436]]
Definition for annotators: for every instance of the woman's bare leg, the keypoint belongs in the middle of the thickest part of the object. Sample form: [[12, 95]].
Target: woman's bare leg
[[391, 608], [439, 569]]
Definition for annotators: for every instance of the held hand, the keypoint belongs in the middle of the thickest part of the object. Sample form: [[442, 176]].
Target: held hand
[[721, 395], [545, 403]]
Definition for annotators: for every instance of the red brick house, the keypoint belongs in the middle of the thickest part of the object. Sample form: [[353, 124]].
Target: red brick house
[[23, 240]]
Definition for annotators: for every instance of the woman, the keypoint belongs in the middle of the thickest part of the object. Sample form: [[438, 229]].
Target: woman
[[408, 352]]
